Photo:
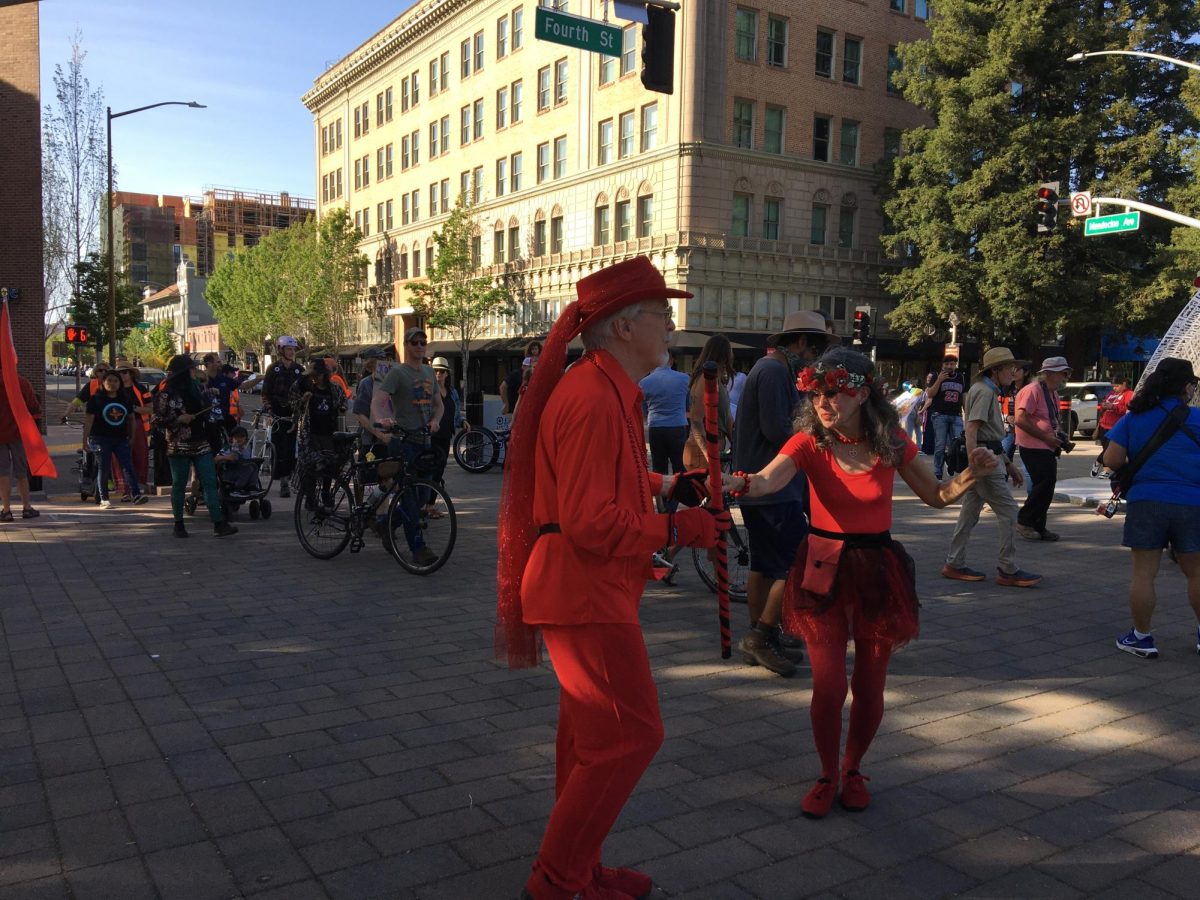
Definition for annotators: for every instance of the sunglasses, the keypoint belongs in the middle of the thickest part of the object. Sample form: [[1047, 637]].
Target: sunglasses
[[417, 343]]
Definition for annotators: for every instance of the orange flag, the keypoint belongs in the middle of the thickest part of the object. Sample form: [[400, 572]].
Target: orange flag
[[40, 462]]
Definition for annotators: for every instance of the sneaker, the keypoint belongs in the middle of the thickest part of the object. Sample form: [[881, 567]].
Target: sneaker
[[140, 499], [817, 803], [1096, 467], [126, 498], [423, 556], [285, 490], [1049, 536], [180, 530], [627, 881], [223, 529], [1030, 534], [757, 650], [855, 797], [961, 573], [1143, 647], [106, 504], [1018, 578]]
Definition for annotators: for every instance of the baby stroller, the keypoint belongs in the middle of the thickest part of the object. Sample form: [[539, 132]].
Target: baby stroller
[[240, 481], [87, 468]]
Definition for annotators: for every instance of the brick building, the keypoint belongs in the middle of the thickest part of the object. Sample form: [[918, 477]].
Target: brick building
[[752, 185], [21, 183]]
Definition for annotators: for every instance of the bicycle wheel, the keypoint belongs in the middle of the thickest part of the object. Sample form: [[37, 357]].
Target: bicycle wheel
[[476, 450], [421, 526], [322, 519], [737, 551], [266, 468]]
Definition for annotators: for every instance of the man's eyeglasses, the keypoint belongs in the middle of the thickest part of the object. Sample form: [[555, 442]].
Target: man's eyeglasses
[[417, 343], [667, 314]]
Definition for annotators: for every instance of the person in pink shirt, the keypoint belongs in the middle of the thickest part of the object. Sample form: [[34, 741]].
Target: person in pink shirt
[[1040, 442]]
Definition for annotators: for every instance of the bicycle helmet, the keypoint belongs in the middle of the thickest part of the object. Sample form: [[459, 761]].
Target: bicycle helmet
[[286, 340]]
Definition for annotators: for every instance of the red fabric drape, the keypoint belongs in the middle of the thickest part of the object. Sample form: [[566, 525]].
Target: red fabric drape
[[36, 453]]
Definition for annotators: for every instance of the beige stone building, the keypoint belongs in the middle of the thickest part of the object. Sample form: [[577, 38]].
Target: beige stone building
[[751, 185]]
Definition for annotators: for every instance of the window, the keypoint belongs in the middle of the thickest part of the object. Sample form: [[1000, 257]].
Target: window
[[403, 265], [405, 155], [428, 256], [649, 126], [743, 123], [628, 49], [624, 220], [603, 226], [416, 204], [498, 246], [740, 224], [358, 174], [518, 27], [445, 134], [465, 58], [515, 162], [773, 129], [502, 176], [464, 122], [445, 71], [518, 92], [339, 135], [834, 307], [556, 234], [477, 184], [502, 37], [770, 229], [434, 139], [405, 211], [745, 24], [445, 192], [324, 188], [539, 237], [891, 143], [339, 182], [921, 9], [478, 119], [378, 109], [543, 88], [324, 139], [464, 186], [604, 143], [852, 61], [816, 234], [824, 54], [479, 40], [433, 77], [626, 146], [777, 33], [416, 87], [379, 176], [848, 152], [366, 117], [821, 138], [645, 213], [476, 250], [560, 81], [417, 262], [380, 222], [405, 94], [357, 121], [560, 156], [502, 106], [416, 147], [387, 161], [433, 199], [846, 226], [514, 242], [897, 5], [543, 162], [608, 68], [893, 66]]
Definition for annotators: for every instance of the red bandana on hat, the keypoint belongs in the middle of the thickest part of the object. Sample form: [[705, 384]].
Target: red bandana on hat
[[599, 295]]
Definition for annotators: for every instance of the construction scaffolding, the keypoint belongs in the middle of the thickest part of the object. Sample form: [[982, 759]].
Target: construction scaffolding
[[233, 219]]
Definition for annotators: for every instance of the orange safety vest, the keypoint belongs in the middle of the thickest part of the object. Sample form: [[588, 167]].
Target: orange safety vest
[[233, 403], [338, 379], [1005, 405], [141, 401]]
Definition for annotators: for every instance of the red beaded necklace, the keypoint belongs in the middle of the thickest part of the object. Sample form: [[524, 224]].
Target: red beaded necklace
[[842, 439]]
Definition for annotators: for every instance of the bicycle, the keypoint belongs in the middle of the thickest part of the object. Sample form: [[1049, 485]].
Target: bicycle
[[479, 449], [737, 556], [342, 491], [261, 448]]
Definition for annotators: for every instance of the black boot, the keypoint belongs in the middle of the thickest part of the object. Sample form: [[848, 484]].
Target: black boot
[[223, 529], [757, 650], [791, 647], [180, 530]]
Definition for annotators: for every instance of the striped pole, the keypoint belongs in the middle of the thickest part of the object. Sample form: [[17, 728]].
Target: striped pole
[[717, 500]]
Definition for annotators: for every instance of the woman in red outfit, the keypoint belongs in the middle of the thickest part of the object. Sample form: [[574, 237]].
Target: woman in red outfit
[[850, 580]]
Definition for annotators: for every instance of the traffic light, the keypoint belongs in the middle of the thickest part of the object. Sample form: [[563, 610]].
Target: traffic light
[[1047, 207], [658, 50], [75, 334], [187, 346], [862, 326]]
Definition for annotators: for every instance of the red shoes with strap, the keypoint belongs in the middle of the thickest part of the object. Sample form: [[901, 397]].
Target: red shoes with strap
[[627, 881], [855, 797], [819, 800]]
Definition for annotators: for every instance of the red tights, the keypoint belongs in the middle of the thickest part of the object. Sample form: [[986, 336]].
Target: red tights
[[829, 696]]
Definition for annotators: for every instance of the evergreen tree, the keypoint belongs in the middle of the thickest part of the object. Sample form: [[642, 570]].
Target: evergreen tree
[[89, 302], [1009, 112]]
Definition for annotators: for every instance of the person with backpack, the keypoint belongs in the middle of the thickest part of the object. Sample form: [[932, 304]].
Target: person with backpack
[[1163, 501]]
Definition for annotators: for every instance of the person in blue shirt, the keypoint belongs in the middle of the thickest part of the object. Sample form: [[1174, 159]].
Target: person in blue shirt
[[1163, 505], [665, 392]]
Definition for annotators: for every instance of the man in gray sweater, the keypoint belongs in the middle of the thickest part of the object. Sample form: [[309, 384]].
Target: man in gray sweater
[[777, 523]]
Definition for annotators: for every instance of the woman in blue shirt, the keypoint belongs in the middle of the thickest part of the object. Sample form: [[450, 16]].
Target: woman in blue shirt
[[1163, 505]]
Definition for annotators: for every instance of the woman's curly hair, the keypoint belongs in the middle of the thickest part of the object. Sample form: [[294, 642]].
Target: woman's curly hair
[[881, 424]]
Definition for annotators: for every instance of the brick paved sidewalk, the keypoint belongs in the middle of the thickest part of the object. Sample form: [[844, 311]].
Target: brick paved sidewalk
[[224, 718]]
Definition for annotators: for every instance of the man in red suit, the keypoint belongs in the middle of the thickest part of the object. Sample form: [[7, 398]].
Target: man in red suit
[[577, 529]]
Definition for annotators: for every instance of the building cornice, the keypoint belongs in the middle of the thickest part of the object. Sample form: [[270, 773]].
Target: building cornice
[[713, 150], [376, 51]]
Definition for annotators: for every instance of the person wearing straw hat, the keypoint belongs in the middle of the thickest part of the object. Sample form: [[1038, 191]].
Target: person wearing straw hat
[[985, 428], [1041, 441], [577, 527]]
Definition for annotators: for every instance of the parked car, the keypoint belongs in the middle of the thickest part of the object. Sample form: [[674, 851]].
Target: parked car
[[149, 378], [1085, 397]]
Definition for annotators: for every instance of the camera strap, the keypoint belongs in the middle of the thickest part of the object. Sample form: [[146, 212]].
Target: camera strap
[[1051, 410]]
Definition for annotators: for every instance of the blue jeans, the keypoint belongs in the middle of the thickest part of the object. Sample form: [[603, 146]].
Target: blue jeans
[[410, 504], [118, 447], [945, 429]]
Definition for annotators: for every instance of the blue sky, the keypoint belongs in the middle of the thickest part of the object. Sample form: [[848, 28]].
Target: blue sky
[[249, 61]]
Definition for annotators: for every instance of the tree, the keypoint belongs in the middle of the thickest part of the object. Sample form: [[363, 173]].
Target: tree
[[89, 302], [73, 179], [456, 297], [1009, 112], [340, 278], [153, 346]]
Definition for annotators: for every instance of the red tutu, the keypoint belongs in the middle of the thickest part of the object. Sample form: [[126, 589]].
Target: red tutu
[[874, 598]]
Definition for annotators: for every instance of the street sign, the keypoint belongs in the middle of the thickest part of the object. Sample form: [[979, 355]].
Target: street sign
[[1081, 203], [576, 31], [60, 348], [1126, 221], [143, 325]]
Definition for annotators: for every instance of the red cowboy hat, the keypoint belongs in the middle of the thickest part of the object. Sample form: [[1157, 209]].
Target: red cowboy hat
[[605, 292]]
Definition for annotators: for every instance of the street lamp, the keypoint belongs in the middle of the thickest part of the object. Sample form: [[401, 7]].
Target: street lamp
[[1081, 56], [112, 281]]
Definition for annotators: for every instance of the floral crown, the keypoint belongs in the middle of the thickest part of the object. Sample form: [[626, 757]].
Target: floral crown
[[813, 379]]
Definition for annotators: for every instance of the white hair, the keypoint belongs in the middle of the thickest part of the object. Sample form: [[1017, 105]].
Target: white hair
[[595, 337]]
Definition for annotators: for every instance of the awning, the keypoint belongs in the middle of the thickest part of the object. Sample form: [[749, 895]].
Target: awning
[[359, 349], [695, 340]]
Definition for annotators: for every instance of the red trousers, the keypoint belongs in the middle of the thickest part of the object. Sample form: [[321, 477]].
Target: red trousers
[[609, 728]]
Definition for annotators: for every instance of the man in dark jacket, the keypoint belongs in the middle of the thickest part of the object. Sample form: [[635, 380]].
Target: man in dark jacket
[[283, 373]]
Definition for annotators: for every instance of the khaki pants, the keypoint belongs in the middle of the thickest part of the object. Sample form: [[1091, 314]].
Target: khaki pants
[[996, 493]]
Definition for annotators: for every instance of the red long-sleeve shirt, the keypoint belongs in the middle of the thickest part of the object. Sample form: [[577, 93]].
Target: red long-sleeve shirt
[[593, 482]]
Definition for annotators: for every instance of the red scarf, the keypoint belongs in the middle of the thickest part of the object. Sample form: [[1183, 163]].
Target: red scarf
[[39, 459]]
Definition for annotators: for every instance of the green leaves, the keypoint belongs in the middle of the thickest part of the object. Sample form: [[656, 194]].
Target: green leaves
[[89, 303]]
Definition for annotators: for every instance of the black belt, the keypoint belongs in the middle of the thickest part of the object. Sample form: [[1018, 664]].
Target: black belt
[[549, 528], [853, 541], [995, 446]]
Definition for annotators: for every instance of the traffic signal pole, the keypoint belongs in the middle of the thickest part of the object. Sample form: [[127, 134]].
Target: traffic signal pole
[[1158, 211]]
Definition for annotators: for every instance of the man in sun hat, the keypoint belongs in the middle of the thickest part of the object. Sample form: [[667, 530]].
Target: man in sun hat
[[985, 428], [577, 527], [1038, 429]]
